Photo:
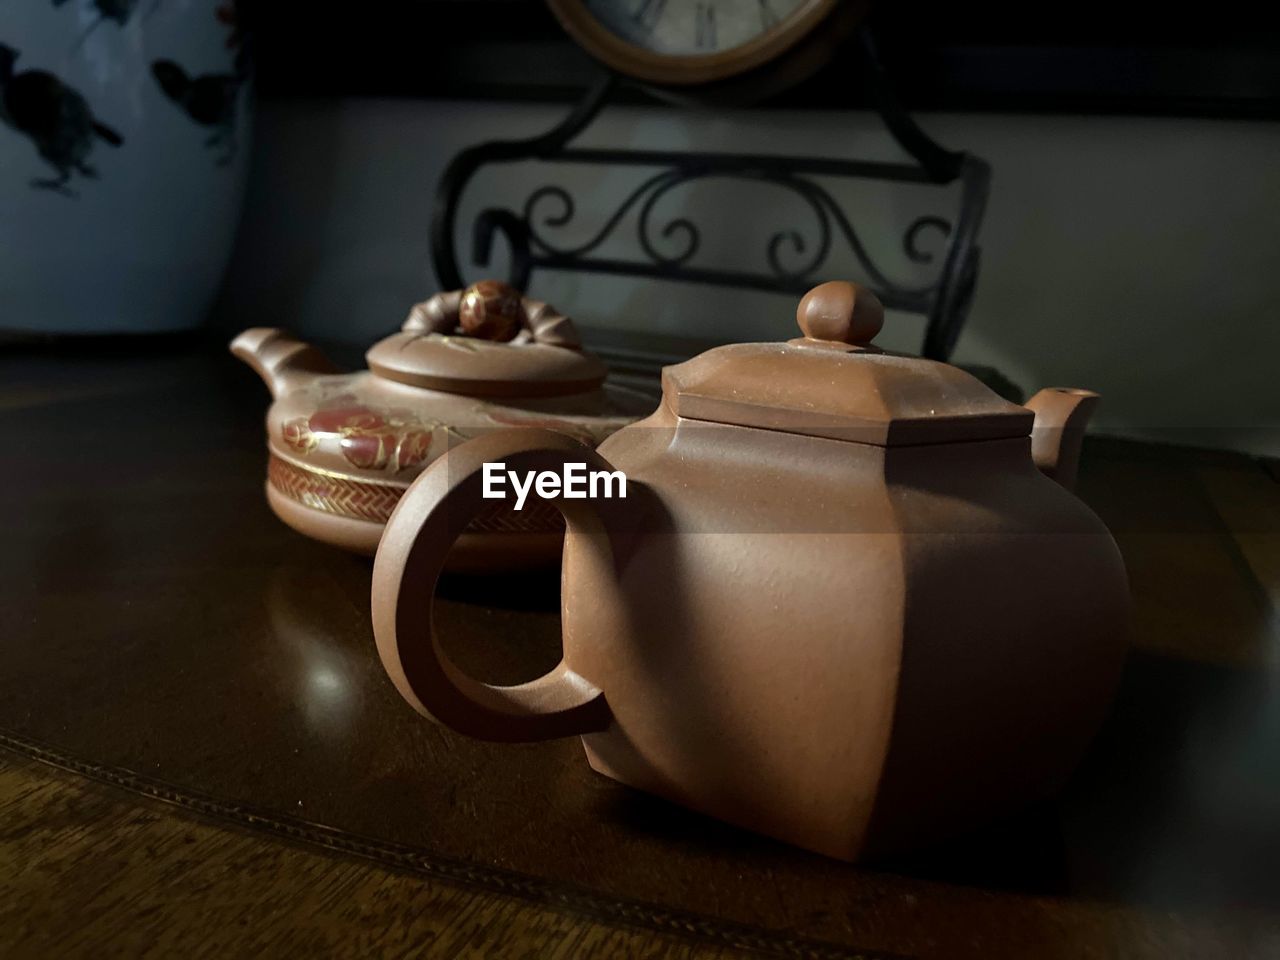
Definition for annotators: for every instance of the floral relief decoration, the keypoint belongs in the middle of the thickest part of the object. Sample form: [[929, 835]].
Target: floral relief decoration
[[370, 439]]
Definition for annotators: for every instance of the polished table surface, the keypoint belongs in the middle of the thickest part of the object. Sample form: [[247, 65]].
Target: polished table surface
[[191, 708]]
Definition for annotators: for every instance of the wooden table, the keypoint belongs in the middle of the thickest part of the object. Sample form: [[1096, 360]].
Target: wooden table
[[199, 752]]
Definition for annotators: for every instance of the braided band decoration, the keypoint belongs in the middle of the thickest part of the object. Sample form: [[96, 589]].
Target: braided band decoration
[[372, 501]]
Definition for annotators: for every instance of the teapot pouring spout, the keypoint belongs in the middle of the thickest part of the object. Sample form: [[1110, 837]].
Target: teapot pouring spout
[[1058, 432], [283, 363]]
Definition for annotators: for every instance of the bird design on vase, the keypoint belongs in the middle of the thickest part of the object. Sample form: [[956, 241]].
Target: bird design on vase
[[210, 100], [56, 118]]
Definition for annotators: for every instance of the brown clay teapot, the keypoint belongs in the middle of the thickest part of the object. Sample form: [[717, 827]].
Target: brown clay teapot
[[848, 602], [343, 447]]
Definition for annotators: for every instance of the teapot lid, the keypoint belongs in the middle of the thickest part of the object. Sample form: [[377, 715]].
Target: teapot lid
[[834, 383], [487, 341]]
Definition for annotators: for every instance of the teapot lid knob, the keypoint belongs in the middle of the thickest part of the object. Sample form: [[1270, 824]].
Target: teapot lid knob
[[491, 310], [841, 311]]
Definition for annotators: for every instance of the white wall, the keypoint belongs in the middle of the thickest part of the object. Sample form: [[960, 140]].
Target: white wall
[[1138, 257]]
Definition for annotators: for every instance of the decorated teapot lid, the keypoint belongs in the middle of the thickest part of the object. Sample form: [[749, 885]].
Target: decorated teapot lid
[[487, 341], [834, 383]]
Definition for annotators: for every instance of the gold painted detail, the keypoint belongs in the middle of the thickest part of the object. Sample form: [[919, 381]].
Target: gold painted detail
[[370, 438], [366, 500]]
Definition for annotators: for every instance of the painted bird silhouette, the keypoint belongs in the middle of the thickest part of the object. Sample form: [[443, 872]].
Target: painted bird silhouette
[[209, 99], [56, 118]]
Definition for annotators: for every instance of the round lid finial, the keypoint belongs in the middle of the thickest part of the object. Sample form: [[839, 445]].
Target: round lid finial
[[491, 310], [841, 311]]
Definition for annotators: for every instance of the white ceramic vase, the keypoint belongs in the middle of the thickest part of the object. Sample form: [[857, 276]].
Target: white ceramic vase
[[123, 150]]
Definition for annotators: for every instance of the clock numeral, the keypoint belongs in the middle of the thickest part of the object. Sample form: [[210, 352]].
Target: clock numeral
[[768, 18], [705, 27], [648, 13]]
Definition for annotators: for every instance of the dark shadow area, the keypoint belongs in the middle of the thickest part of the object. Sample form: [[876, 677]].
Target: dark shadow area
[[1104, 58]]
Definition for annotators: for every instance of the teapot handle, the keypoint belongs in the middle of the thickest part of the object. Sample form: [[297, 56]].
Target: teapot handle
[[432, 513]]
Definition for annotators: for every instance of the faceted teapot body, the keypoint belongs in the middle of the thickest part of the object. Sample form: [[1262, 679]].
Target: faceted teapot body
[[842, 604], [851, 648]]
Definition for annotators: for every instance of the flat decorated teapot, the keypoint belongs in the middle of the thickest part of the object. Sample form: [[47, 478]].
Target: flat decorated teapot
[[848, 601], [343, 447]]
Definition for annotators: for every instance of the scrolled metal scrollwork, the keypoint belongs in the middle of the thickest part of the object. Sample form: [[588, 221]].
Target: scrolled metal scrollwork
[[692, 235], [911, 239], [815, 246]]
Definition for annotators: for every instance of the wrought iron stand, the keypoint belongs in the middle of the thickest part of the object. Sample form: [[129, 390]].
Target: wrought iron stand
[[945, 299]]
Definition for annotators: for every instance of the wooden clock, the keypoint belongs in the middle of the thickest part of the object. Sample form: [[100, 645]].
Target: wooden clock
[[687, 43]]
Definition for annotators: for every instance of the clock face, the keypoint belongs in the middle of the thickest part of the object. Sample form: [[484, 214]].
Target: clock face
[[693, 41], [684, 28]]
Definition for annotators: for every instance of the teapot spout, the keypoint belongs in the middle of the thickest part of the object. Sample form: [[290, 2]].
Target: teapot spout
[[283, 363], [1058, 432]]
